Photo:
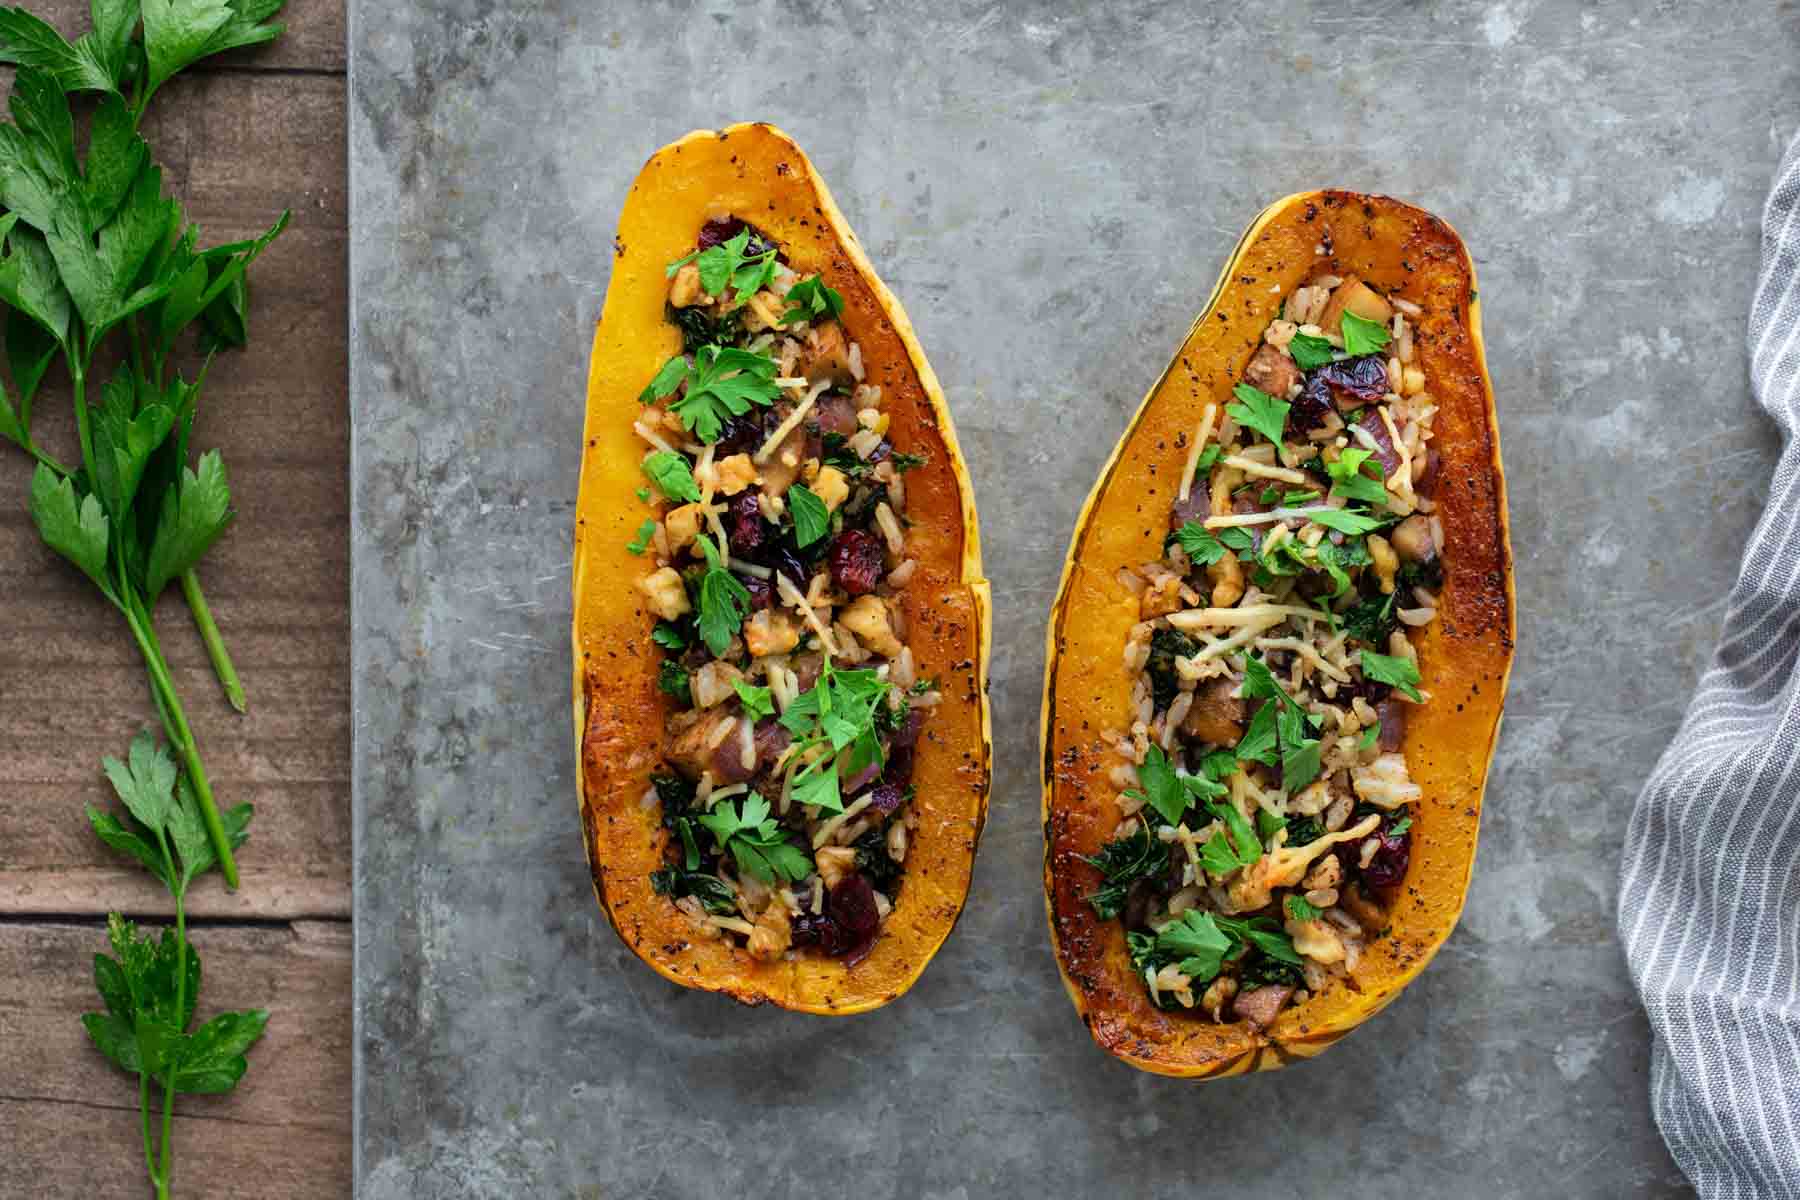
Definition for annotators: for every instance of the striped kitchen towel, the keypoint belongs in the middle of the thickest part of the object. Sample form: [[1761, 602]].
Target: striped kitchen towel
[[1709, 908]]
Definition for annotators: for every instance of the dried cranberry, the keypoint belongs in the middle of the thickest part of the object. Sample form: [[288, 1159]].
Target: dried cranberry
[[900, 749], [1311, 406], [742, 434], [719, 230], [852, 905], [777, 555], [762, 592], [747, 526], [856, 561], [1387, 868], [886, 798], [1355, 381], [818, 929]]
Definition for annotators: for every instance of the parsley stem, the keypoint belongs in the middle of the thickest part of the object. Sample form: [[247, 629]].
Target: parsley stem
[[181, 1002], [215, 643], [85, 435], [181, 735]]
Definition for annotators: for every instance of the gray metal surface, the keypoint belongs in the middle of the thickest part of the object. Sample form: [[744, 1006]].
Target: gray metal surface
[[1051, 194]]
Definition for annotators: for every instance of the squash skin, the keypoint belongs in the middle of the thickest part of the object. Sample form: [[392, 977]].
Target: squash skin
[[757, 172], [1465, 656]]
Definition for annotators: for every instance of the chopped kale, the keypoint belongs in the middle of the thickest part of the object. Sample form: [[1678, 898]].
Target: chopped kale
[[1371, 619], [1302, 831], [699, 329], [1123, 862], [1166, 645], [835, 451], [672, 678], [1261, 969], [676, 795], [1426, 574], [714, 894], [873, 860]]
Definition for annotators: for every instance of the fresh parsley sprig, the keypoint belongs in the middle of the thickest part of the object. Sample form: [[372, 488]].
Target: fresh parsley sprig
[[722, 382], [151, 988], [1256, 409], [756, 840], [811, 299], [90, 246], [723, 601], [731, 264], [1362, 336]]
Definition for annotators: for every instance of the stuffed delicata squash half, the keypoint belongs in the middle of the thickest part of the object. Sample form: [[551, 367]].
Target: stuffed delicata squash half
[[1278, 655], [781, 630]]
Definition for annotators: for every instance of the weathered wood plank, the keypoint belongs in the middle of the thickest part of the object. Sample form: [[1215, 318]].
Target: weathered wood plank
[[68, 1118], [239, 148], [314, 40]]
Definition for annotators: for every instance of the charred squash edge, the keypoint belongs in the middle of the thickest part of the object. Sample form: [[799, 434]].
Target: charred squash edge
[[1466, 664], [776, 187]]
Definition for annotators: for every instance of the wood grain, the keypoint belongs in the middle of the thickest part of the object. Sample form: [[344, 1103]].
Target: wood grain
[[68, 1117], [248, 135], [314, 40], [277, 582]]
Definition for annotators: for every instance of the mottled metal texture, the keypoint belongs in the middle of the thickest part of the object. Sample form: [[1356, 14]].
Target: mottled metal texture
[[1051, 194]]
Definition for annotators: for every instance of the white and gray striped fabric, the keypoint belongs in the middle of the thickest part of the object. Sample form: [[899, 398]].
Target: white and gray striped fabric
[[1709, 909]]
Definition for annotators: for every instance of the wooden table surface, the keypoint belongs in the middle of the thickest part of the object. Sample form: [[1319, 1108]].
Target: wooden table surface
[[241, 139]]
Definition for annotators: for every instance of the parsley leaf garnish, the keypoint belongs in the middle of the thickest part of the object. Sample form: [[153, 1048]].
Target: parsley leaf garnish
[[642, 543], [722, 382], [904, 462], [757, 701], [811, 299], [730, 264], [1342, 520], [1201, 546], [1299, 909], [1162, 786], [672, 476], [812, 520], [667, 378], [1350, 482], [1197, 941], [1259, 411], [723, 601], [668, 636], [758, 843], [1369, 737], [1399, 672], [1310, 351], [1362, 336]]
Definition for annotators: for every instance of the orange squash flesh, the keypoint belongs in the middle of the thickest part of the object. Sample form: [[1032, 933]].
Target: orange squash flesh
[[756, 172], [1465, 655]]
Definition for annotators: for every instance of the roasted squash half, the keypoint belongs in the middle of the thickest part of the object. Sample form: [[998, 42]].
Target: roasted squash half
[[1464, 656], [757, 173]]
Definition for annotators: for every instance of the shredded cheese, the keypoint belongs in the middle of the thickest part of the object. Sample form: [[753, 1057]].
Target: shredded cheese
[[750, 568], [1305, 650], [651, 436], [829, 828], [792, 423], [1250, 466], [1264, 518], [1260, 615], [790, 596], [1201, 433]]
